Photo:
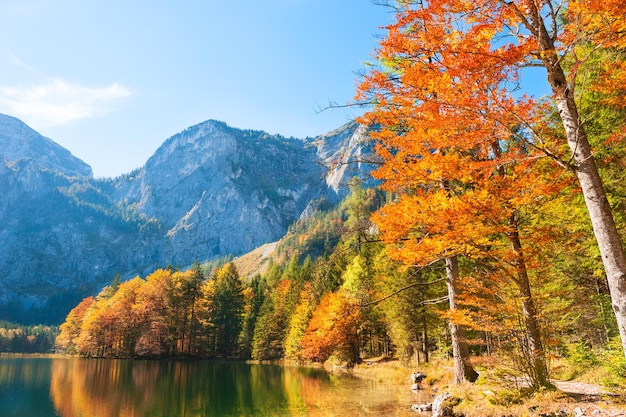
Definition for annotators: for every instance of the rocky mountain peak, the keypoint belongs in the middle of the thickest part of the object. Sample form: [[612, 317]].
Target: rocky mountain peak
[[209, 191], [18, 142]]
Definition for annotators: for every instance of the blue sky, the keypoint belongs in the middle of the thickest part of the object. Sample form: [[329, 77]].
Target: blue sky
[[111, 80]]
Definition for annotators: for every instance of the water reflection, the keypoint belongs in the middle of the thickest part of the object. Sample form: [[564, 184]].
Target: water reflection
[[108, 388], [24, 388], [111, 388]]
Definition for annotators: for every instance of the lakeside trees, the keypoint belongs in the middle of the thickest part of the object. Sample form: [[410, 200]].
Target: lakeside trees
[[473, 160], [169, 314], [16, 338], [355, 301], [481, 210]]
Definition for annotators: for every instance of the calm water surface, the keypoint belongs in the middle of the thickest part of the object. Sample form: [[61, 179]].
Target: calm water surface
[[72, 387]]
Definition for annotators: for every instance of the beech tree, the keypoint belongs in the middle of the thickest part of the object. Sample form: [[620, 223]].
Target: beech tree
[[151, 312], [600, 23], [70, 329], [333, 329], [452, 68]]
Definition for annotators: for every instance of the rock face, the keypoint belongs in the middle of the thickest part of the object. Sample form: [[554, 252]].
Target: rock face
[[18, 143], [211, 190]]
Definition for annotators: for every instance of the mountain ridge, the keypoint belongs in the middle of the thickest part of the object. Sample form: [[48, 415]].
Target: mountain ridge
[[208, 191], [19, 142]]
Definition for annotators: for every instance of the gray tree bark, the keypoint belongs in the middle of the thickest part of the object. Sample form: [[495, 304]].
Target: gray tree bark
[[535, 355], [598, 206], [463, 371]]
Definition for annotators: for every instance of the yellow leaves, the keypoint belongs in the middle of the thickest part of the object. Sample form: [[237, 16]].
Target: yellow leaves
[[333, 328], [71, 327]]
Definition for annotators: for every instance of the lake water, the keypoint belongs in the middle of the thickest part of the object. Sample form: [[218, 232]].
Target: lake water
[[73, 387]]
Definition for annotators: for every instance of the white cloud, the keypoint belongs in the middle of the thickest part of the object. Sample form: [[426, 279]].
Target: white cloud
[[58, 102]]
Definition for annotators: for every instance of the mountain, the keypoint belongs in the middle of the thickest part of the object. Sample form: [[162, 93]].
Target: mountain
[[20, 143], [209, 191]]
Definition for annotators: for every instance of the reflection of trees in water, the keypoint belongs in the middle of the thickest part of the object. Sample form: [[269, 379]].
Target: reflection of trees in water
[[24, 386], [112, 388], [99, 388], [21, 371], [346, 395]]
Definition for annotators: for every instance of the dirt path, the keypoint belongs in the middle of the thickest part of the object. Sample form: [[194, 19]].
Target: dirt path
[[590, 400], [580, 388]]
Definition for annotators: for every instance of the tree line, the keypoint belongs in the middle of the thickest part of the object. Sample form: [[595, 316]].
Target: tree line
[[352, 302], [169, 314], [18, 338]]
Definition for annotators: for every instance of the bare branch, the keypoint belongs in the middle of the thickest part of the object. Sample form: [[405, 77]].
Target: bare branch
[[420, 304], [415, 284]]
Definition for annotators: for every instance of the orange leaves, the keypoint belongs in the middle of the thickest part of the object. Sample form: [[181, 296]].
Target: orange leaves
[[612, 84], [457, 146], [70, 329], [600, 25], [333, 329], [425, 227], [601, 21]]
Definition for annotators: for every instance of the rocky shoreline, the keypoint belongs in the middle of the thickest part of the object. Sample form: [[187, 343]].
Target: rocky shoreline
[[579, 400]]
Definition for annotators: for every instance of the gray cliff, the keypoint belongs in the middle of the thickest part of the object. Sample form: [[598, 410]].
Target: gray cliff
[[209, 191]]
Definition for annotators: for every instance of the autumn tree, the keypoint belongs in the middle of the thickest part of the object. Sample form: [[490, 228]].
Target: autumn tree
[[122, 325], [91, 340], [601, 24], [333, 329], [151, 313], [299, 321], [71, 327], [471, 159], [601, 102], [495, 40]]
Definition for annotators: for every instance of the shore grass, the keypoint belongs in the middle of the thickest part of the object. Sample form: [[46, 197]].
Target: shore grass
[[498, 394]]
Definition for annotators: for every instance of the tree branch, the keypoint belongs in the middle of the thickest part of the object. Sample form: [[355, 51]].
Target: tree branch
[[420, 304]]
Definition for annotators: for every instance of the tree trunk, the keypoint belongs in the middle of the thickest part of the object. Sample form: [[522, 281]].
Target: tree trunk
[[535, 354], [606, 334], [532, 347], [600, 212], [416, 348], [463, 371], [425, 338]]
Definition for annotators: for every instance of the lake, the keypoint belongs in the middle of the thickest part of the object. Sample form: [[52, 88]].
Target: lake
[[75, 387]]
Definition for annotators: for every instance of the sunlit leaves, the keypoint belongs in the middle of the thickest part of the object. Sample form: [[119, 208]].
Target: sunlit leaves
[[170, 313], [71, 328], [333, 329]]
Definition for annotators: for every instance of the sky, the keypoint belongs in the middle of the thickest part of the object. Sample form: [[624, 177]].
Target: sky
[[111, 80]]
